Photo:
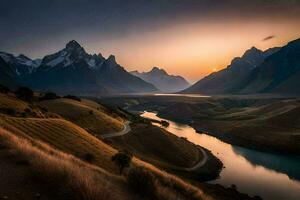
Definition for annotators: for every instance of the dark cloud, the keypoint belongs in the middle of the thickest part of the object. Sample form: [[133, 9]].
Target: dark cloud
[[270, 37], [27, 25]]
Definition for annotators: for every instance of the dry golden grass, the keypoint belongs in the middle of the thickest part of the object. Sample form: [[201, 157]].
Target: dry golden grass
[[159, 147], [64, 169], [170, 187], [86, 114], [82, 180], [62, 135], [72, 139], [10, 105]]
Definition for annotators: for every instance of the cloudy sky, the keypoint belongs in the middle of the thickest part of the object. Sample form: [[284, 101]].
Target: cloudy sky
[[188, 37]]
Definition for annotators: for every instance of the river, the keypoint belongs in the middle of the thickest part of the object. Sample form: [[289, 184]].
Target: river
[[271, 176]]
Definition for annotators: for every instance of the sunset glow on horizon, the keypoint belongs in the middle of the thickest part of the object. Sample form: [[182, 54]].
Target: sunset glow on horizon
[[191, 50], [192, 38]]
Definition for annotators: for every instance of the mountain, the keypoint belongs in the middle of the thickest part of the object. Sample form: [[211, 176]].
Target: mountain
[[72, 70], [7, 75], [279, 73], [162, 80], [232, 79], [21, 65]]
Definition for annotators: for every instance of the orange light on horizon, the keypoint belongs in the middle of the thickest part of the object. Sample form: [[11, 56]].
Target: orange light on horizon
[[191, 50]]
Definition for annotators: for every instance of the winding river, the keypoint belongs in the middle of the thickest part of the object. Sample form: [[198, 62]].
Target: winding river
[[271, 176]]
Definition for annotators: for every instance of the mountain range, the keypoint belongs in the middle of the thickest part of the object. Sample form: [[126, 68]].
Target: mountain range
[[162, 80], [71, 70], [276, 70]]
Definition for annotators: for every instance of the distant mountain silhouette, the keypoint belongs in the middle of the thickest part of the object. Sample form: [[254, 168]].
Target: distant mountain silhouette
[[7, 75], [231, 79], [279, 73], [72, 70], [162, 80]]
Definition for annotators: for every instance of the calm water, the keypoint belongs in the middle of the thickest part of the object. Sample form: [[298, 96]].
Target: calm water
[[182, 95], [271, 176]]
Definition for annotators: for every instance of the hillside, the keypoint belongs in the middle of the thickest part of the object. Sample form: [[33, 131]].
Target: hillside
[[44, 145], [51, 174], [86, 114], [162, 80]]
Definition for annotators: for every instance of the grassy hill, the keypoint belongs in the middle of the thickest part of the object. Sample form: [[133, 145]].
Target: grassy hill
[[60, 160], [167, 151], [10, 105], [52, 174], [69, 138], [87, 114], [64, 136]]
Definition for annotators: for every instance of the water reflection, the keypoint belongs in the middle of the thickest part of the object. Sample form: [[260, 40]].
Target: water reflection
[[182, 95], [253, 172], [288, 165]]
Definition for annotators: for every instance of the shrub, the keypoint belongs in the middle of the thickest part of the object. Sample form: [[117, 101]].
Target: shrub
[[8, 111], [72, 97], [142, 181], [233, 187], [49, 96], [89, 157], [24, 93], [27, 110], [4, 89], [164, 123], [122, 160]]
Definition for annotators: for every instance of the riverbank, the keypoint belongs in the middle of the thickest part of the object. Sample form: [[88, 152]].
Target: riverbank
[[169, 152], [266, 124], [271, 176]]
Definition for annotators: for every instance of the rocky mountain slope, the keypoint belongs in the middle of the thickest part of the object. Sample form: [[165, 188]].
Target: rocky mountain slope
[[72, 70], [232, 78]]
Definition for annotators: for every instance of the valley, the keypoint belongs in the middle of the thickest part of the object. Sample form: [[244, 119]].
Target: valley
[[254, 122], [55, 129], [150, 100]]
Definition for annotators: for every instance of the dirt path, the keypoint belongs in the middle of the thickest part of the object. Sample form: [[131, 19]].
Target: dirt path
[[200, 163], [126, 129]]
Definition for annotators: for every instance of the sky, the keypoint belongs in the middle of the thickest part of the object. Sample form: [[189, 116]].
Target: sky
[[192, 38]]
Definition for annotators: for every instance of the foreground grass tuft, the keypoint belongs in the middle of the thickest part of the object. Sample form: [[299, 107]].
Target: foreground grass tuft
[[61, 170]]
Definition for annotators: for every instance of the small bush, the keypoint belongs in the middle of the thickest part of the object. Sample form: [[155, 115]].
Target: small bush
[[8, 111], [27, 110], [72, 97], [184, 138], [164, 123], [142, 181], [4, 89], [24, 93], [49, 96], [122, 160], [233, 187], [88, 157]]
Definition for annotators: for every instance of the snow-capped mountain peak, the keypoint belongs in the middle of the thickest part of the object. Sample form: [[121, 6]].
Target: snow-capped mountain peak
[[20, 64]]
